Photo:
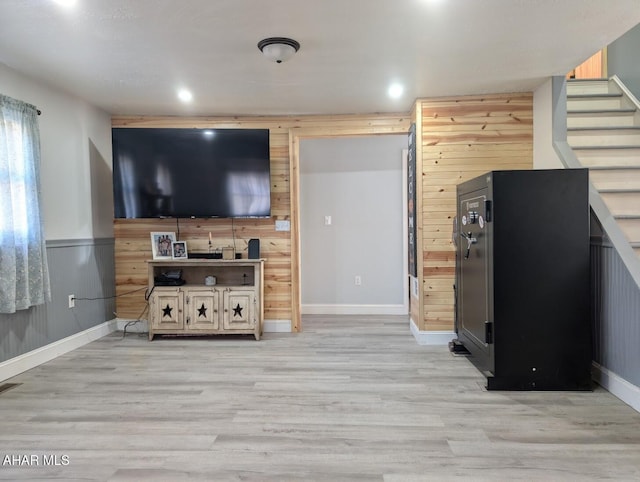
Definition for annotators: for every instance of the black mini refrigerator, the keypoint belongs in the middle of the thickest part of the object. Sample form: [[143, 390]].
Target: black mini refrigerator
[[522, 278]]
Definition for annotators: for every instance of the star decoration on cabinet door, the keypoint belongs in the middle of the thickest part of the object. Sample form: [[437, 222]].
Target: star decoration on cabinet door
[[237, 311], [166, 311], [202, 311]]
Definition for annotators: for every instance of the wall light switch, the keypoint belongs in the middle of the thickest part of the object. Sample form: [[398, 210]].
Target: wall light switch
[[283, 225], [327, 220]]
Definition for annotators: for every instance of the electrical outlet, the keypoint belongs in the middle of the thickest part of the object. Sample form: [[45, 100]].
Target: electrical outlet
[[358, 280], [72, 301], [327, 220]]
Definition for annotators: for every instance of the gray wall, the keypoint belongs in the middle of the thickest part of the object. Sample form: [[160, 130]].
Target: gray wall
[[75, 141], [615, 312], [623, 60], [83, 268], [544, 155], [358, 182], [616, 309]]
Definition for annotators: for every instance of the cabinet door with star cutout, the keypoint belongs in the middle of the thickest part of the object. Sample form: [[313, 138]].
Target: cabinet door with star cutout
[[166, 309], [202, 310], [239, 309]]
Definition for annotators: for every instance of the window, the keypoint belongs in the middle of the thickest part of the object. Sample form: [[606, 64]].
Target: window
[[14, 182], [24, 278]]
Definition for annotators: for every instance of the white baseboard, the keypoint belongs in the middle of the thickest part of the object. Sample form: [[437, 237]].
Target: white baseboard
[[277, 326], [32, 359], [618, 386], [354, 309], [431, 337]]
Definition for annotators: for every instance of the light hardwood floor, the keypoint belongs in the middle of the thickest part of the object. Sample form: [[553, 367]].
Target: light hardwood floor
[[348, 399]]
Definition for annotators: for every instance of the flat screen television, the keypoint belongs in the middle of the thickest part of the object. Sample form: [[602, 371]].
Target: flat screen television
[[191, 173]]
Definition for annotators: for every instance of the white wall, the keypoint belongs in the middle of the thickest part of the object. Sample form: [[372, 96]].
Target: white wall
[[544, 156], [75, 139], [358, 182]]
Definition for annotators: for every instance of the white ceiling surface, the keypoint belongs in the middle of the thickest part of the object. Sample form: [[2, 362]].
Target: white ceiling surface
[[130, 56]]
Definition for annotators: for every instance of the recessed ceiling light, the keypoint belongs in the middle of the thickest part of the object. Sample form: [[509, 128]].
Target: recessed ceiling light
[[66, 3], [184, 95], [395, 91]]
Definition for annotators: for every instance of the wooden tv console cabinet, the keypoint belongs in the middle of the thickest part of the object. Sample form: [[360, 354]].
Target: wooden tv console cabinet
[[234, 305]]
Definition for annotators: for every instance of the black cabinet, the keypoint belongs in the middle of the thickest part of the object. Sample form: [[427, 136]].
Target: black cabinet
[[522, 278]]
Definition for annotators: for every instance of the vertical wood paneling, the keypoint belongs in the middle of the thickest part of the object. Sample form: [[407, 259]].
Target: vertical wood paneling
[[280, 249], [462, 138]]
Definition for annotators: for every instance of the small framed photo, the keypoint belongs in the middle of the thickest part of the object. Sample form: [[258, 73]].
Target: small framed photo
[[179, 250], [162, 244]]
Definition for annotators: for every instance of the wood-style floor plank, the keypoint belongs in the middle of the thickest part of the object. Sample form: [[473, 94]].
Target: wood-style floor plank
[[351, 398]]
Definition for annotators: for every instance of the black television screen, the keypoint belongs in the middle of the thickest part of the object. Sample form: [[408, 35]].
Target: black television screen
[[191, 173]]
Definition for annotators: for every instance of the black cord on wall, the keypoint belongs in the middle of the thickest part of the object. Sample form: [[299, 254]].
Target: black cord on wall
[[147, 295], [233, 234], [109, 297]]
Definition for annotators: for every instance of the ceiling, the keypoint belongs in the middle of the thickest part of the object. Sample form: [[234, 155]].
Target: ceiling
[[131, 56]]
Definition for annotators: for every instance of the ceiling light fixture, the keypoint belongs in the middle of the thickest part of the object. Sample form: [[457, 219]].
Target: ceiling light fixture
[[395, 91], [278, 49]]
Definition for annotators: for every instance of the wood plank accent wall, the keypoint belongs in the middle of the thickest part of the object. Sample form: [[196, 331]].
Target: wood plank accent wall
[[281, 249], [462, 138], [595, 67]]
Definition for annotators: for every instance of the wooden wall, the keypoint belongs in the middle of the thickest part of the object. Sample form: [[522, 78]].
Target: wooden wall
[[595, 67], [462, 138], [281, 249]]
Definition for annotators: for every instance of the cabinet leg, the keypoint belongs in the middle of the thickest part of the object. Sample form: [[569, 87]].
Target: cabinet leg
[[150, 336]]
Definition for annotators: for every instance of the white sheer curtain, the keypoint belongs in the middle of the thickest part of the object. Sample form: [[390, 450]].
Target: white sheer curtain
[[24, 278]]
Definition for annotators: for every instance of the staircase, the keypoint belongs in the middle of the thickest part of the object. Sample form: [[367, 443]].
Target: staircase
[[603, 129]]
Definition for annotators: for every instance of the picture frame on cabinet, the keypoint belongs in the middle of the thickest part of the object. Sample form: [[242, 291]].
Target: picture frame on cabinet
[[162, 244], [179, 250]]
